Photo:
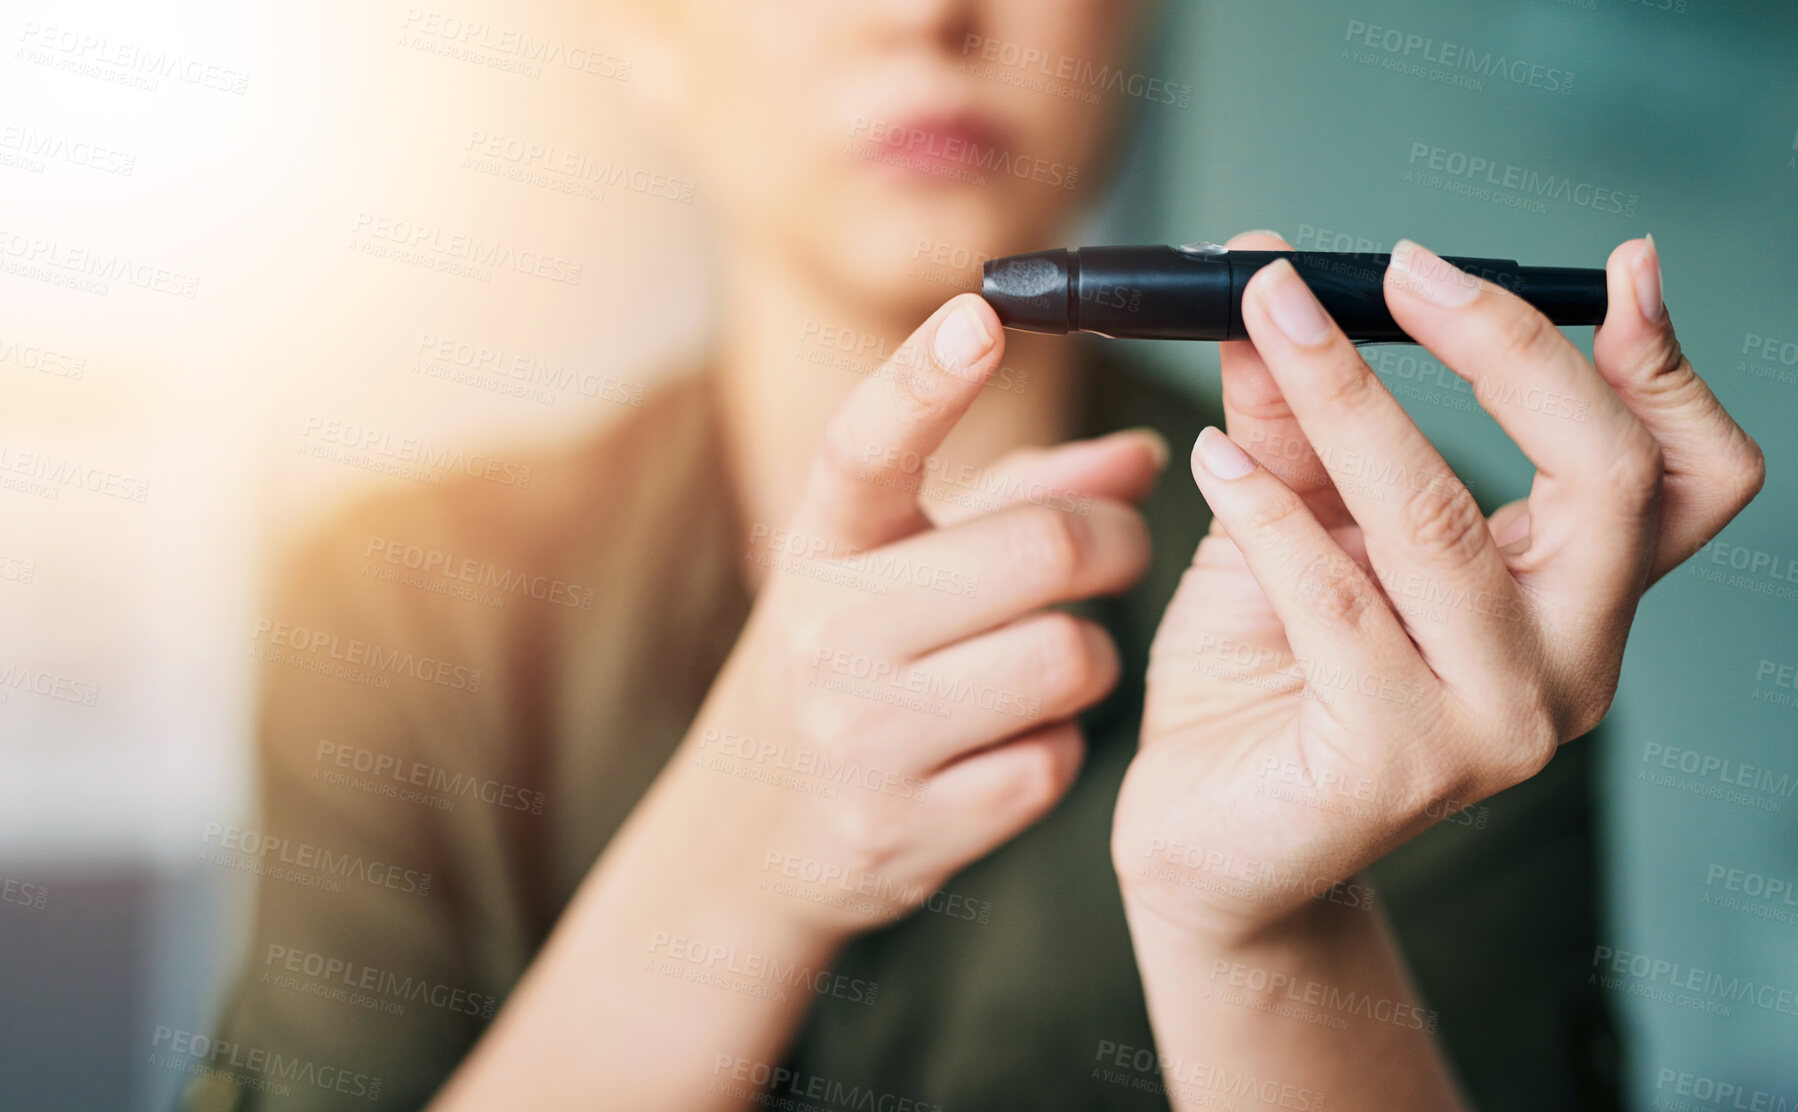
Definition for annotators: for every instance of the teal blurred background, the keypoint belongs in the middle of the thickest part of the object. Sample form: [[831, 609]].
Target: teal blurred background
[[1348, 126]]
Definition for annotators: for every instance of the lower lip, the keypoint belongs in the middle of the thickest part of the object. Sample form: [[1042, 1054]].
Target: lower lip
[[939, 154]]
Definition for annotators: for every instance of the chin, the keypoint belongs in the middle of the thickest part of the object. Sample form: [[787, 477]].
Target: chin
[[918, 249]]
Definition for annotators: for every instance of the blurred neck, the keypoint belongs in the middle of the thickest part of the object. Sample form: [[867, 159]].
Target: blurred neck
[[792, 347]]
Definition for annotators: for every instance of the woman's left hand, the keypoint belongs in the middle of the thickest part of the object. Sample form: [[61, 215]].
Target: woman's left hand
[[1357, 651]]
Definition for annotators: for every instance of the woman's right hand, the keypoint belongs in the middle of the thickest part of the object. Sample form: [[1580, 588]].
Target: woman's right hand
[[899, 703], [901, 700]]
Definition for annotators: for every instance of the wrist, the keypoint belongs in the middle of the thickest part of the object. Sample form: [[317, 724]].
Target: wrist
[[1202, 927], [699, 847]]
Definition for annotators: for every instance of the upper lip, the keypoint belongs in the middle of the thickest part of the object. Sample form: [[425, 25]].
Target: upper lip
[[970, 127]]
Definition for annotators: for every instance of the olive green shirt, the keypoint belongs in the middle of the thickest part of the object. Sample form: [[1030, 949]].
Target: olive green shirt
[[468, 686]]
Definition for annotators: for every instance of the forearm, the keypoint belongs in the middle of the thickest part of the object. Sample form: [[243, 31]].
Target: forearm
[[1314, 1013], [670, 982]]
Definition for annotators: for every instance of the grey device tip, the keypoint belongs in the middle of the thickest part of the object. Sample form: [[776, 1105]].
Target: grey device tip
[[1029, 291]]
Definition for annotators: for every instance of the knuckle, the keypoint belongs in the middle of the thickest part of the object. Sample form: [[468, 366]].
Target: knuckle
[[1444, 782], [1351, 388], [824, 722], [871, 838], [1635, 472], [1046, 772], [1447, 524], [1335, 589], [1048, 542], [1064, 659], [1525, 336], [848, 451], [1536, 724], [1584, 714], [1664, 364], [1654, 366], [917, 395], [1749, 473], [1539, 742], [1272, 516], [809, 638]]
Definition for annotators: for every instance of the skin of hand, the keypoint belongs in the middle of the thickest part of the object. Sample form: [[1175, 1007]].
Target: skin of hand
[[1356, 652], [899, 703], [868, 597]]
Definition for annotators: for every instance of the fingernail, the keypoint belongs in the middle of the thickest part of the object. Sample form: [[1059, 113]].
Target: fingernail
[[1221, 455], [1648, 283], [961, 339], [1421, 271], [1294, 310], [1157, 444], [1267, 232], [1516, 529]]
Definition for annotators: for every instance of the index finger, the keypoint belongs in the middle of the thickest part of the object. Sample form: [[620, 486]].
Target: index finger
[[1257, 416], [865, 478]]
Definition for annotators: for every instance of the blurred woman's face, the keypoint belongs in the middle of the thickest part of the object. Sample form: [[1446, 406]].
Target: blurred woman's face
[[886, 146]]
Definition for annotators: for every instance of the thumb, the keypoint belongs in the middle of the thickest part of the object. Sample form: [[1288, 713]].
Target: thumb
[[1712, 465], [865, 478]]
